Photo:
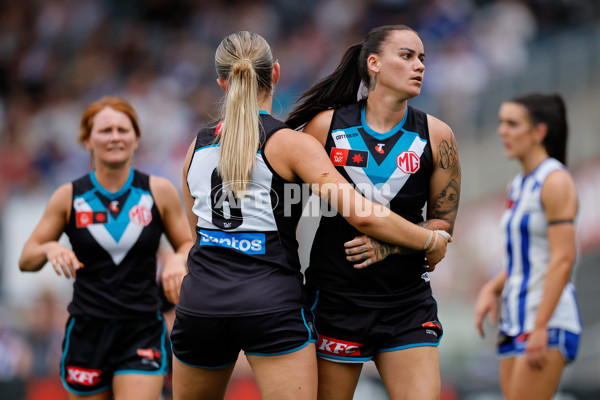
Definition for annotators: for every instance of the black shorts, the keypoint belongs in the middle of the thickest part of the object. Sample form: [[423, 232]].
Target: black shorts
[[354, 334], [96, 349], [207, 342]]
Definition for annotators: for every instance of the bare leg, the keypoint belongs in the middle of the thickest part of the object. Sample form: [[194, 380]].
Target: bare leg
[[337, 381], [191, 383], [287, 376], [137, 386], [526, 382], [412, 373]]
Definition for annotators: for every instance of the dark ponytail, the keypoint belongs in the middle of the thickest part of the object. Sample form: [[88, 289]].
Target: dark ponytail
[[338, 88], [341, 87], [550, 110]]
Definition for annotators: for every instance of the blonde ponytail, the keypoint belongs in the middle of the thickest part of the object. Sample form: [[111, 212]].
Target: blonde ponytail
[[239, 135], [244, 60]]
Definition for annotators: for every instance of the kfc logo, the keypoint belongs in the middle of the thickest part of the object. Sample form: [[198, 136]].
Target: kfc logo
[[338, 347], [83, 218], [82, 376]]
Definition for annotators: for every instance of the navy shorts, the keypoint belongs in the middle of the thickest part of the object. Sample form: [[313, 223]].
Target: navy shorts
[[215, 342], [96, 349], [566, 342], [353, 334]]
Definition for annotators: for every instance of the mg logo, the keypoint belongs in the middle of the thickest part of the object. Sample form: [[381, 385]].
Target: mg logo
[[408, 162], [140, 215]]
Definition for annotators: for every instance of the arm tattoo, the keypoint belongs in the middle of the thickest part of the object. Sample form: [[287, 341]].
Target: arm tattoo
[[445, 206], [382, 249], [448, 154]]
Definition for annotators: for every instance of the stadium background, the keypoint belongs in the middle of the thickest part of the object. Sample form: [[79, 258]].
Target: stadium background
[[56, 56]]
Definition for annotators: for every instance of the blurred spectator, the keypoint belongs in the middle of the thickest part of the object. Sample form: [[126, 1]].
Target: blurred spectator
[[58, 54], [15, 358]]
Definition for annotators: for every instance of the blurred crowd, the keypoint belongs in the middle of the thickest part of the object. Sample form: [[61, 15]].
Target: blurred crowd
[[57, 56]]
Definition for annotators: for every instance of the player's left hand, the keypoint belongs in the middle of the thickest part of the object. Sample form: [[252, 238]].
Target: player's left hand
[[536, 349], [367, 251]]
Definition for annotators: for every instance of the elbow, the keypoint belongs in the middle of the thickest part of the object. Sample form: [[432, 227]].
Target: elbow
[[23, 266], [26, 265]]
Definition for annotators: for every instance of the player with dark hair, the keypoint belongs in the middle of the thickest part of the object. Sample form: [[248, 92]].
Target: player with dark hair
[[406, 160], [539, 320]]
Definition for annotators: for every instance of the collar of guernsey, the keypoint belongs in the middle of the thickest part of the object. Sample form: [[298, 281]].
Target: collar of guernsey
[[383, 135], [108, 194]]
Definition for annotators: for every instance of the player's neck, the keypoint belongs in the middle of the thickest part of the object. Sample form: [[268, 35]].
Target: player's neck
[[383, 113], [112, 179], [532, 160]]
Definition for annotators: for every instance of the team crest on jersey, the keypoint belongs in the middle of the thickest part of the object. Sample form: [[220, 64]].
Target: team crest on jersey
[[140, 215], [408, 162], [114, 206], [87, 218], [349, 158]]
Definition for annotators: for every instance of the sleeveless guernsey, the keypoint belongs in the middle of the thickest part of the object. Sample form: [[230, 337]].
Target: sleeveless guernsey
[[116, 236]]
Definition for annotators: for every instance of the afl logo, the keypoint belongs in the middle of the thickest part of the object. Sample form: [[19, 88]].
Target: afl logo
[[408, 162], [140, 215]]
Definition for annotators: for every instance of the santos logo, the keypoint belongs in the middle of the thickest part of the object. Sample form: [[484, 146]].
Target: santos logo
[[249, 243]]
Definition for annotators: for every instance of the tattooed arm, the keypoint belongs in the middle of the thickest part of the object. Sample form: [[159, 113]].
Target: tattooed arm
[[441, 207], [367, 250], [444, 188]]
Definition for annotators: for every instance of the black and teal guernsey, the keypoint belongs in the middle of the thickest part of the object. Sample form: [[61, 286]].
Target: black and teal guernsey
[[116, 236], [394, 169], [245, 259]]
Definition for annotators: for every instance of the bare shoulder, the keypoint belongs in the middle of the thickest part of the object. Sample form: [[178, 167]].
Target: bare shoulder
[[162, 188], [290, 141], [62, 196], [319, 125], [559, 195], [438, 129], [443, 143], [60, 202], [559, 183], [287, 149]]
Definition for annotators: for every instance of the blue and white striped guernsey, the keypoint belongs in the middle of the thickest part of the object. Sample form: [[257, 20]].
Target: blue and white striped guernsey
[[527, 254]]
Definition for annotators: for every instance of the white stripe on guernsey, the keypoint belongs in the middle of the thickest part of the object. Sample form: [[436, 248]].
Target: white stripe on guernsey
[[256, 216], [359, 177], [116, 250]]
